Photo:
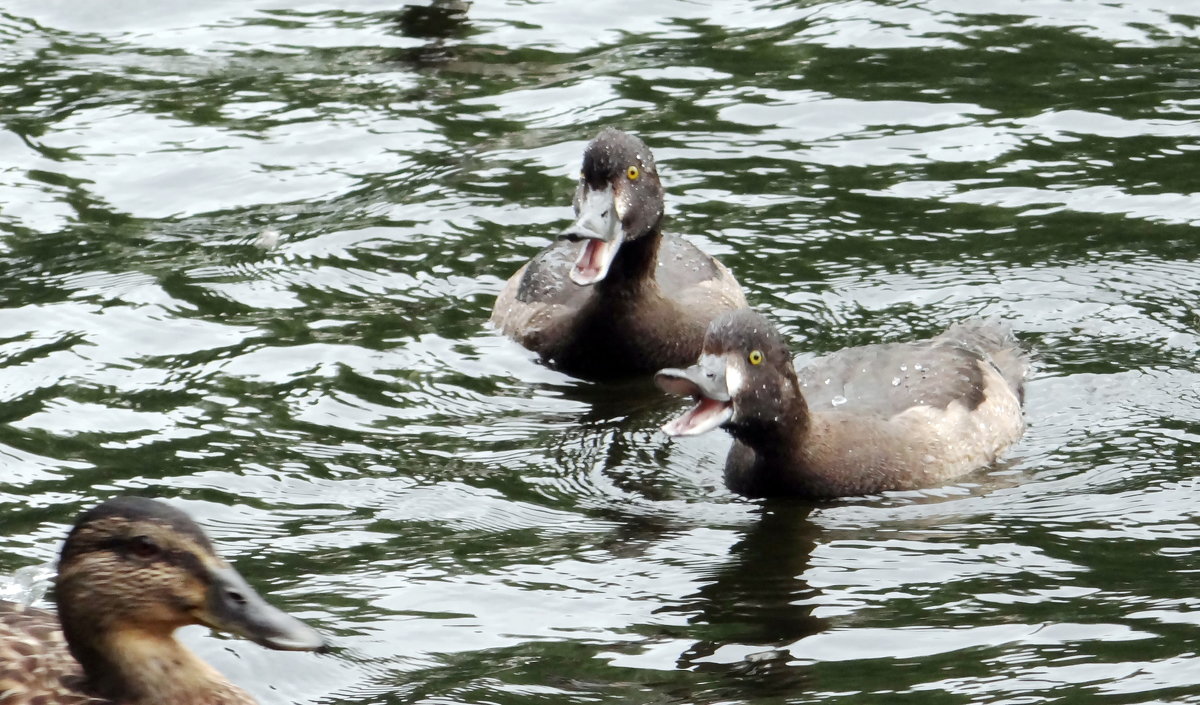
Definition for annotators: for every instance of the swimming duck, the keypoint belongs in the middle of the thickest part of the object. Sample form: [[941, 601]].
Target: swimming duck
[[860, 421], [132, 571], [615, 297]]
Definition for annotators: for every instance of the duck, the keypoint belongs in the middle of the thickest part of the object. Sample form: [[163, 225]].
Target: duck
[[864, 420], [615, 296], [131, 571]]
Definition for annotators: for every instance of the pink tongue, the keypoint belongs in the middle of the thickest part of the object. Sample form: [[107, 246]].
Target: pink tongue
[[698, 415], [591, 261]]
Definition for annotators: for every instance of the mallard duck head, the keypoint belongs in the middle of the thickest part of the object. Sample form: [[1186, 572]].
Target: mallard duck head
[[133, 570]]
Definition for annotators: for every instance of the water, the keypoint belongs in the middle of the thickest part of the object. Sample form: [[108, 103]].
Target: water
[[248, 251]]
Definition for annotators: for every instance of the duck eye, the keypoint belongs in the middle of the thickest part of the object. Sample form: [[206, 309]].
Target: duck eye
[[755, 357], [144, 547], [632, 172]]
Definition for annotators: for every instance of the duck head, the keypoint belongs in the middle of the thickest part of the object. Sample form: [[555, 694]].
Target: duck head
[[744, 381], [619, 199], [135, 567]]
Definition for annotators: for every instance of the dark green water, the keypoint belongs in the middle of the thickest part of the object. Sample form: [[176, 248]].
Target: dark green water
[[471, 527]]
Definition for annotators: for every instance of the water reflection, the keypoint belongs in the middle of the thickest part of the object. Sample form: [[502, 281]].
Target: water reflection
[[755, 605], [439, 23], [484, 529]]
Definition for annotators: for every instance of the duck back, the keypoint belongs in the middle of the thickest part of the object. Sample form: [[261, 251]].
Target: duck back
[[886, 379]]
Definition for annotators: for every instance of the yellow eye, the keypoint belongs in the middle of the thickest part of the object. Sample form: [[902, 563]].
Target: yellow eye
[[755, 357], [632, 172]]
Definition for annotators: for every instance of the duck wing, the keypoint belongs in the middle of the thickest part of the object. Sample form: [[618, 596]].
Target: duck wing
[[699, 284], [545, 278], [888, 378], [682, 265], [540, 295], [994, 340]]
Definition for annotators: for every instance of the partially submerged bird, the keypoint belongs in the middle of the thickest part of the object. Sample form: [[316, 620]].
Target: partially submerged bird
[[859, 421], [615, 296], [132, 571]]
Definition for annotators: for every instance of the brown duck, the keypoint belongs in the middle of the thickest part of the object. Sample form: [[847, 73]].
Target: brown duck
[[615, 297], [860, 421], [131, 572]]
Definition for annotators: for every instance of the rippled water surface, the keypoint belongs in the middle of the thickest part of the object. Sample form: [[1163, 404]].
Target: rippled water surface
[[248, 251]]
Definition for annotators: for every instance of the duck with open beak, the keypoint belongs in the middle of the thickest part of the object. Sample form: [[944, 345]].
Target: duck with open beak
[[599, 229], [890, 416], [619, 197], [706, 383], [614, 296]]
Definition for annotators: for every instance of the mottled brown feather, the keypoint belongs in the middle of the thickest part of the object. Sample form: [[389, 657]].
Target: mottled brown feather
[[35, 665], [131, 571], [37, 668]]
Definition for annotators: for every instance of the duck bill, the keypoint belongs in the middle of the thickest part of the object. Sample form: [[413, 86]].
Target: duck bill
[[233, 606], [704, 382], [599, 228]]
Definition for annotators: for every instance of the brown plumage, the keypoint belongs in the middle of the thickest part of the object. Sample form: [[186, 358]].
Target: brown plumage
[[132, 571], [859, 421], [615, 297]]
